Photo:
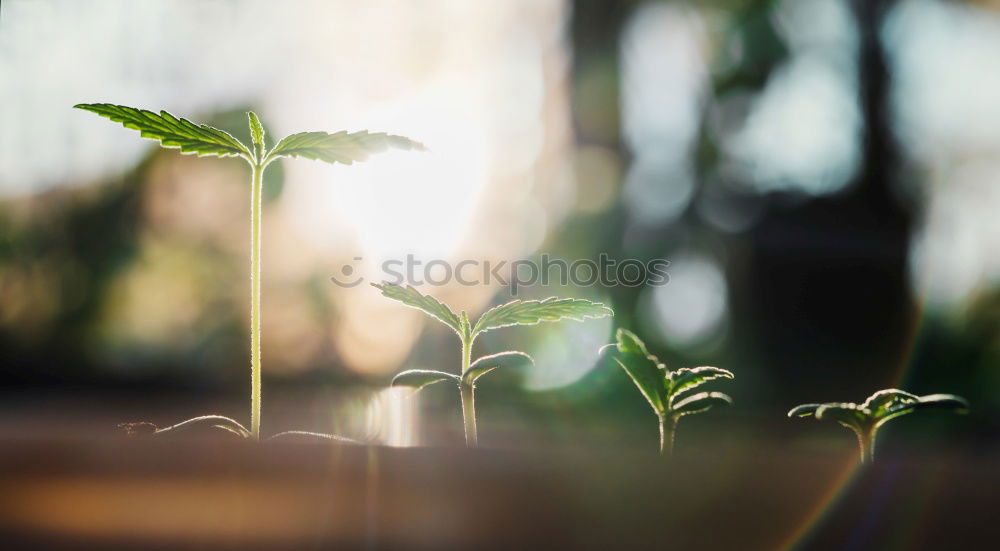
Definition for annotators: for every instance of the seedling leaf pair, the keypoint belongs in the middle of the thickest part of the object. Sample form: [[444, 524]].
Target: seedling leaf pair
[[516, 312], [669, 393], [865, 419], [201, 140], [419, 378]]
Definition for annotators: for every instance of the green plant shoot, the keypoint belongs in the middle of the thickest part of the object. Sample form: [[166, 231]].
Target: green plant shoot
[[515, 312], [865, 419], [669, 393], [199, 139]]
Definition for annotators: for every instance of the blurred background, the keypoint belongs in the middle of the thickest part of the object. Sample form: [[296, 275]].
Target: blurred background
[[823, 176]]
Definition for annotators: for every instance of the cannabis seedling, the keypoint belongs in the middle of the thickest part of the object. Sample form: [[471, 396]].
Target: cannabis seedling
[[865, 419], [668, 392], [201, 140], [515, 312]]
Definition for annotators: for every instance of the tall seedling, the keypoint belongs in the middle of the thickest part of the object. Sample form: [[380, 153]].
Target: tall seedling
[[202, 140]]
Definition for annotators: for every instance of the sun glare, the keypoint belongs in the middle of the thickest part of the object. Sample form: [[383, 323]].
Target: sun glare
[[403, 202]]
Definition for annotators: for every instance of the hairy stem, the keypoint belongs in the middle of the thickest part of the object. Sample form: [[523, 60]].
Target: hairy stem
[[468, 398], [667, 428], [255, 368], [469, 414]]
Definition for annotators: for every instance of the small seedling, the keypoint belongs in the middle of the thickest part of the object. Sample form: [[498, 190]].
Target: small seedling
[[199, 139], [515, 312], [668, 392], [867, 418]]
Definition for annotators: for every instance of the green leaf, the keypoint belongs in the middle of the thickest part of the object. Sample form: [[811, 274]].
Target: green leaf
[[256, 134], [846, 413], [629, 343], [484, 365], [805, 410], [530, 312], [428, 304], [629, 352], [944, 401], [234, 430], [172, 132], [419, 378], [889, 398], [685, 378], [697, 403], [931, 401], [342, 147]]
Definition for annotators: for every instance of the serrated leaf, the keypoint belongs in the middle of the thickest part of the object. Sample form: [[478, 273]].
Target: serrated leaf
[[256, 134], [846, 413], [684, 379], [700, 402], [531, 312], [629, 343], [804, 410], [630, 353], [426, 303], [171, 132], [419, 378], [342, 147], [484, 365]]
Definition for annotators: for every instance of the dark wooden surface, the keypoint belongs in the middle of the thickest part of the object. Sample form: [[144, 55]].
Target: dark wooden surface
[[218, 494]]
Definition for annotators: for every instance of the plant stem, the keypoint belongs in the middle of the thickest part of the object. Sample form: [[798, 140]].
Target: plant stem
[[468, 398], [667, 428], [255, 368], [469, 414], [866, 440]]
